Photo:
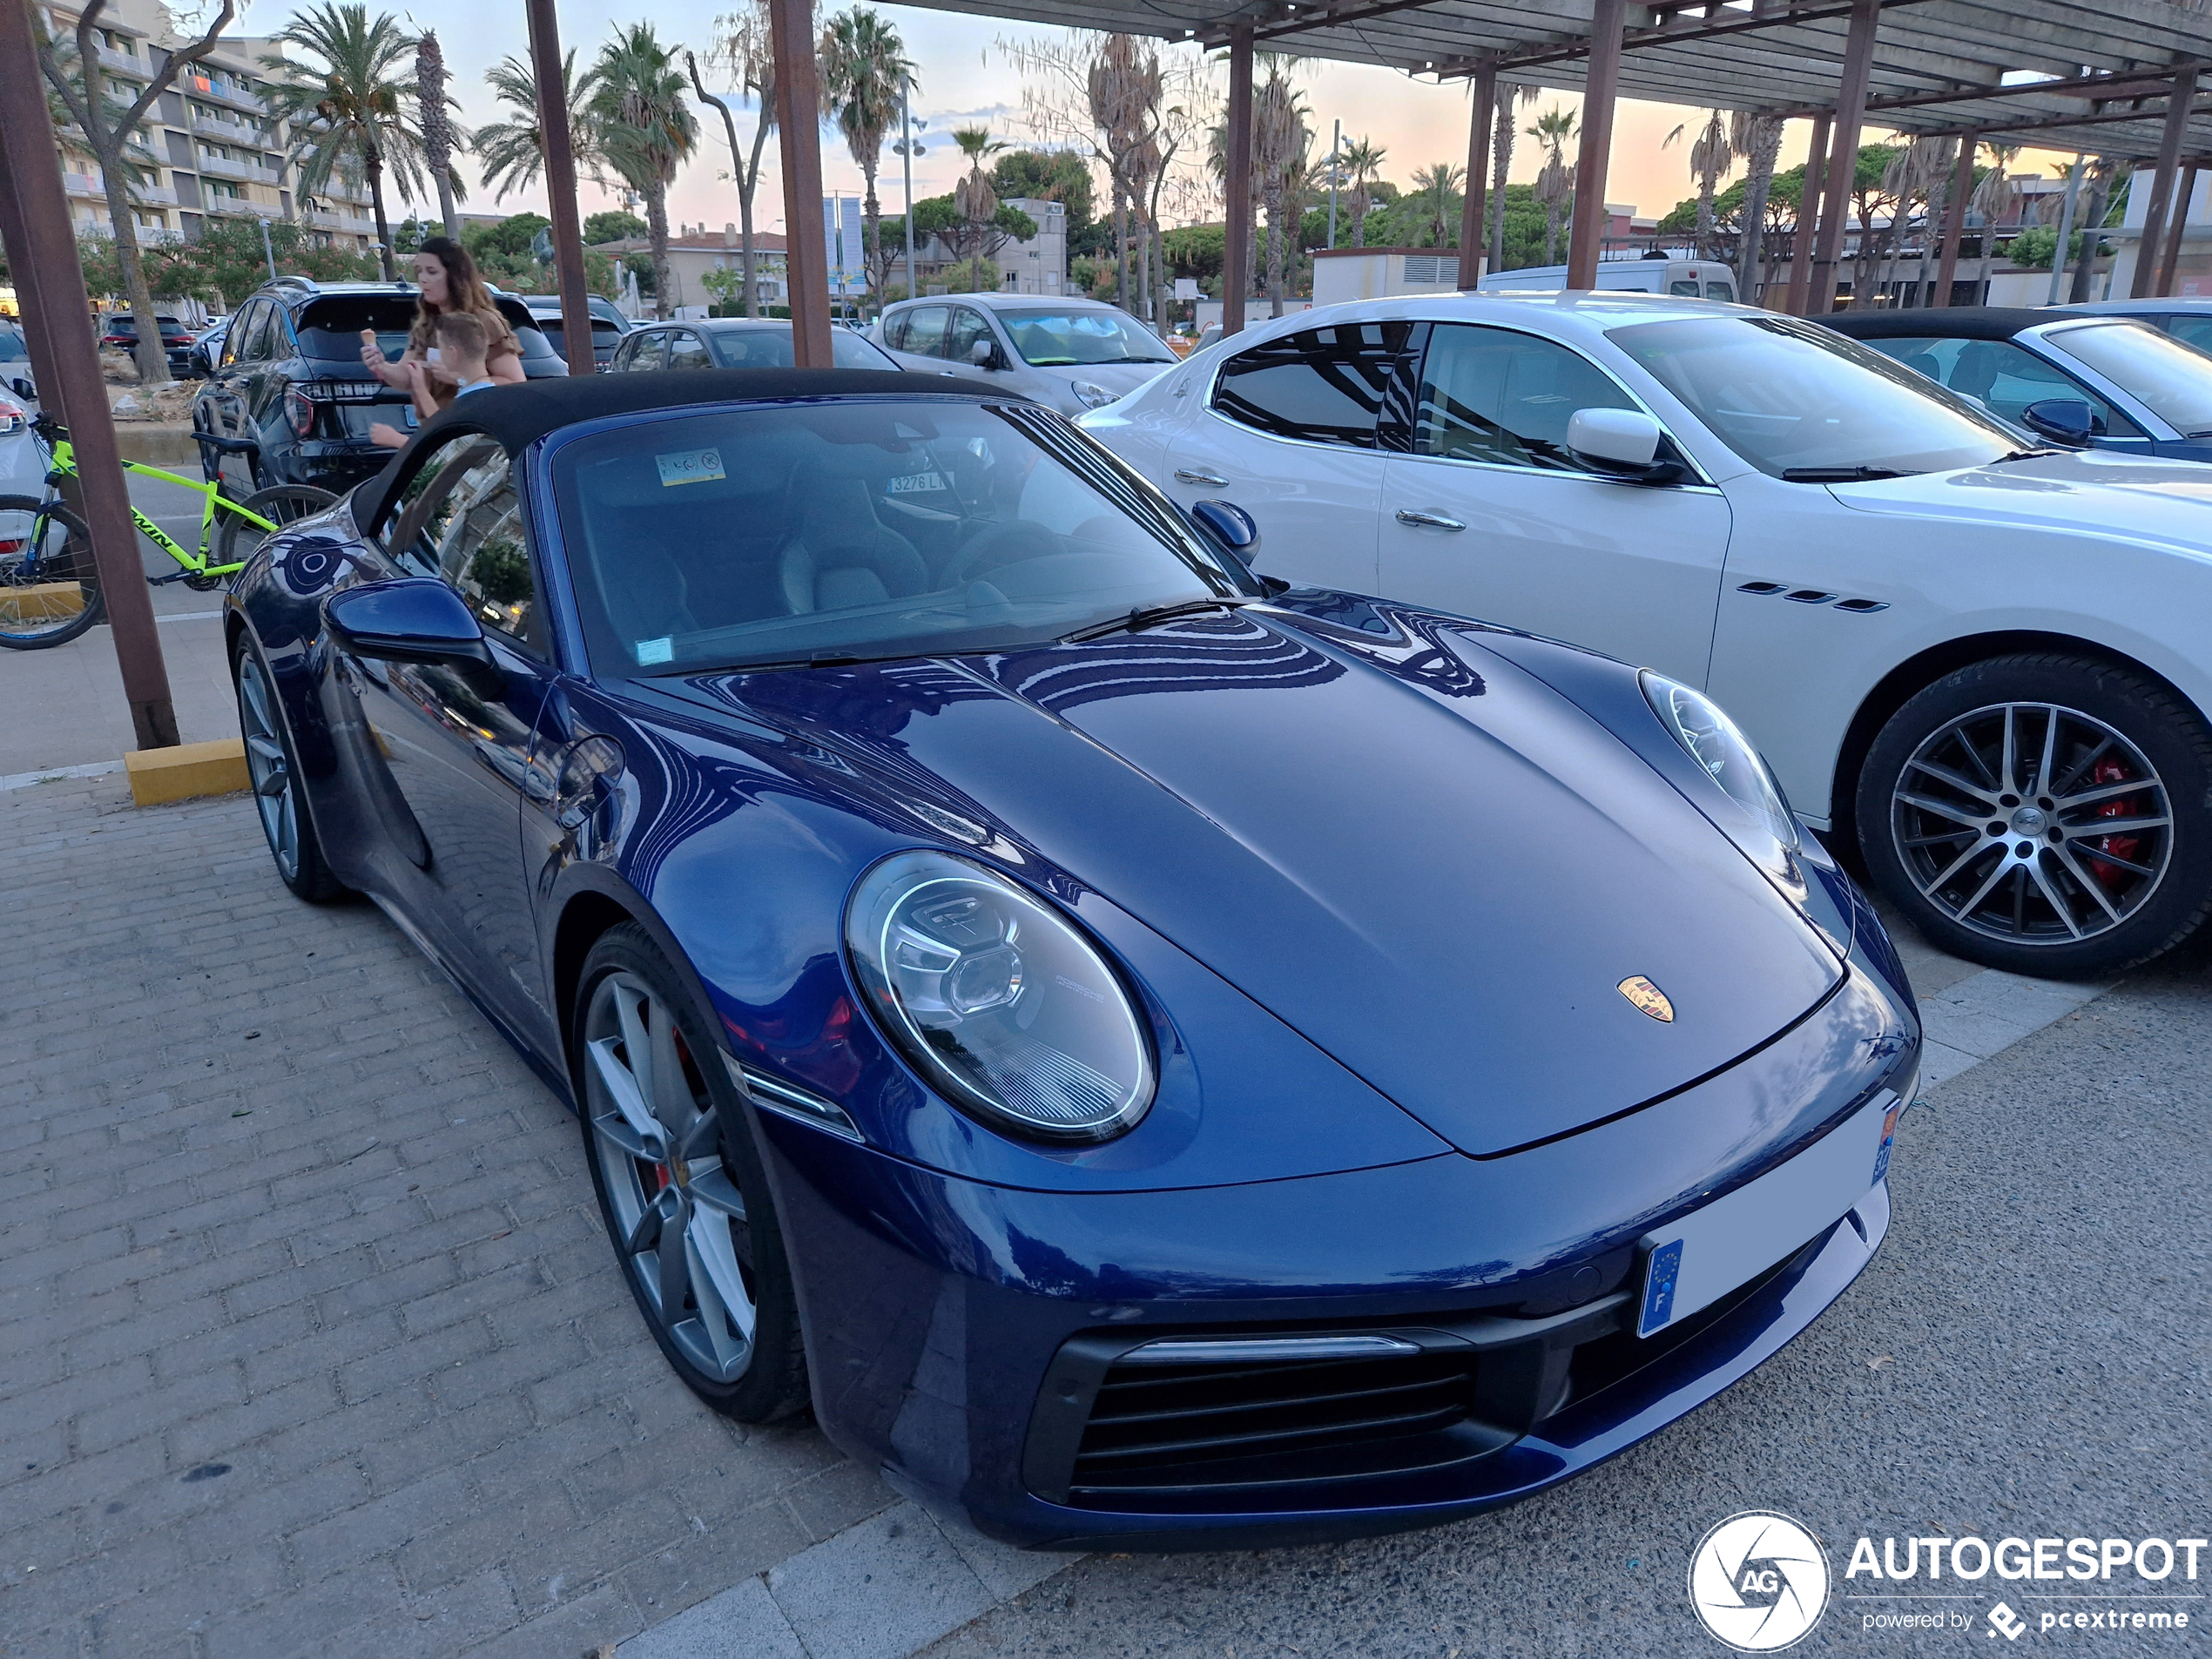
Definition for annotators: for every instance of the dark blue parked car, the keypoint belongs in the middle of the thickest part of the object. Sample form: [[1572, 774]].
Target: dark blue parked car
[[1149, 1056]]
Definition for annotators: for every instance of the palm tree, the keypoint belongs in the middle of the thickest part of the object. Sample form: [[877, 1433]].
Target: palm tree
[[1281, 140], [1555, 183], [1435, 186], [1942, 159], [645, 130], [1712, 153], [344, 107], [1510, 99], [1363, 159], [864, 65], [512, 153], [1758, 137], [973, 198], [1994, 197], [1122, 89], [440, 134]]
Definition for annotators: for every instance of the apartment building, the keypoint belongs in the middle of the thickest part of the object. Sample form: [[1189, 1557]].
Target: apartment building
[[208, 150], [1035, 265]]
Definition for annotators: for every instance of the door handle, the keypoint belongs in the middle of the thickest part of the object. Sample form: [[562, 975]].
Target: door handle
[[1184, 475], [1429, 521]]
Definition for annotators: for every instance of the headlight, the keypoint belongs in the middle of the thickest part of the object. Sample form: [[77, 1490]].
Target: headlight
[[1764, 826], [997, 1000], [1090, 394]]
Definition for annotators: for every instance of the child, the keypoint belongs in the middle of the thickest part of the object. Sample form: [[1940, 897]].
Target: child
[[461, 343]]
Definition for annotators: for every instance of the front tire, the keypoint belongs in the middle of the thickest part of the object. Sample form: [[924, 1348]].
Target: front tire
[[681, 1188], [2043, 814], [273, 772]]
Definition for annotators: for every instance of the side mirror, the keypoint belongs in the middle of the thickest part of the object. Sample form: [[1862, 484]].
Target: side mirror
[[24, 389], [416, 619], [1227, 524], [2064, 420], [984, 353]]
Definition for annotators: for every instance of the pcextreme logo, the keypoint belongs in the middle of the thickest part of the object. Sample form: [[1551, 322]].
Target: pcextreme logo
[[1759, 1581]]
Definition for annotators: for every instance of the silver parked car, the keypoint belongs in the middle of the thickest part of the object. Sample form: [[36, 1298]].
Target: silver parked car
[[1071, 354]]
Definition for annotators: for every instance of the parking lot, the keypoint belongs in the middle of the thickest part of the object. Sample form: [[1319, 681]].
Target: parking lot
[[314, 1344]]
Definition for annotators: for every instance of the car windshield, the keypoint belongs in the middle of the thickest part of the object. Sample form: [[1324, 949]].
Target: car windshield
[[12, 350], [769, 347], [801, 534], [1059, 339], [1800, 403], [2174, 379]]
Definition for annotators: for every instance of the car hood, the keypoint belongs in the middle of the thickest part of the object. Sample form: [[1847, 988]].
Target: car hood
[[1121, 379], [2116, 496], [1423, 859]]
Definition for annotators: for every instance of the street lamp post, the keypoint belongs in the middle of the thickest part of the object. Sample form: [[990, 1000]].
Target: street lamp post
[[1336, 167], [906, 159]]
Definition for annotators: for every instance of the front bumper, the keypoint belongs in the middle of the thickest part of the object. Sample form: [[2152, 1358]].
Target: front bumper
[[958, 1334]]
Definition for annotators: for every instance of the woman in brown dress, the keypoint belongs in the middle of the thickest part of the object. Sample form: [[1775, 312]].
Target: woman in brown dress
[[449, 282]]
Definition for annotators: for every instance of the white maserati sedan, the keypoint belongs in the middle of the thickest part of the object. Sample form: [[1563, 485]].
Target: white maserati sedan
[[1989, 661]]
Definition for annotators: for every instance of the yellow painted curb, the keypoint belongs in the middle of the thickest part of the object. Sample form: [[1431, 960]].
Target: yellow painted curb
[[42, 601], [186, 770]]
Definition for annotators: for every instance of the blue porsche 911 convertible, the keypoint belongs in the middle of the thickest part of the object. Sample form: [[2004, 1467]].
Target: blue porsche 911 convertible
[[1151, 1058]]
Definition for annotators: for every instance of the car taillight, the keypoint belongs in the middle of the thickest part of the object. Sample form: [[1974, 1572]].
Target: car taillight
[[12, 420], [302, 409]]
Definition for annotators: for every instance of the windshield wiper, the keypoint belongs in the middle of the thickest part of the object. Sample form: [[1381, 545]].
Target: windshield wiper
[[2030, 455], [1839, 475], [1148, 615]]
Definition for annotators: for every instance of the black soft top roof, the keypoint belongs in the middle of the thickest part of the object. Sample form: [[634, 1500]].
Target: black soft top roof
[[1944, 322], [517, 416]]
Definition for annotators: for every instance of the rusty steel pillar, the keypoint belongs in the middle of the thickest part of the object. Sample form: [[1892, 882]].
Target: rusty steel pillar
[[560, 187], [1601, 89], [791, 28], [42, 251], [2161, 187], [1954, 218], [1842, 155], [1236, 186], [1807, 226], [1472, 216], [2176, 222]]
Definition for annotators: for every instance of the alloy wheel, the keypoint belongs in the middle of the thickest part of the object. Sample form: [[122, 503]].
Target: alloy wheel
[[2033, 823], [679, 1217], [268, 768]]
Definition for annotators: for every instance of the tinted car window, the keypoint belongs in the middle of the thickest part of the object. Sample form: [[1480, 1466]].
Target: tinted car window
[[2004, 377], [768, 346], [644, 352], [248, 338], [876, 529], [687, 350], [922, 331], [459, 520], [332, 327], [1321, 385], [2192, 331], [1789, 395], [12, 350], [1493, 395], [2170, 376]]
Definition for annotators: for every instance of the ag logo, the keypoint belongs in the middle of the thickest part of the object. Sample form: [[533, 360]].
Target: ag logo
[[1759, 1582]]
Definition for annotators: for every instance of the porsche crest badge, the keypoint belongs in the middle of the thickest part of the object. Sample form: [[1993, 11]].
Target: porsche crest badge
[[1649, 998]]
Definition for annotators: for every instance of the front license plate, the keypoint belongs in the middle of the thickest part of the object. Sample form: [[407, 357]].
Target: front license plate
[[1693, 1262]]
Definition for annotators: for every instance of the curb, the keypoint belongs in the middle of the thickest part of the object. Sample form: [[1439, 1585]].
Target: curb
[[186, 770]]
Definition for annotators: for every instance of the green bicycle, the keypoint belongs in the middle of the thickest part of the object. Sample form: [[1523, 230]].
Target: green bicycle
[[50, 590]]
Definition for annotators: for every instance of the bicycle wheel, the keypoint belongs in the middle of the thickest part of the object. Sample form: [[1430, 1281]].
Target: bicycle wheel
[[50, 589], [236, 538]]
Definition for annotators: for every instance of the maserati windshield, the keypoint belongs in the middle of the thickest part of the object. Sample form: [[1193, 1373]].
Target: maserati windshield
[[791, 535], [1801, 403]]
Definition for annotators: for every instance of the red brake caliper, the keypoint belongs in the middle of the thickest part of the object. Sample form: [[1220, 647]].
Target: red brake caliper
[[2121, 847]]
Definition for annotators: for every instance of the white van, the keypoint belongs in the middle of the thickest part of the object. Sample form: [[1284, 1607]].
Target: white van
[[1692, 279]]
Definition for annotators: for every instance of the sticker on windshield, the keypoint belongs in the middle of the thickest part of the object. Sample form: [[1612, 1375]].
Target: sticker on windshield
[[689, 467], [915, 483], [656, 651]]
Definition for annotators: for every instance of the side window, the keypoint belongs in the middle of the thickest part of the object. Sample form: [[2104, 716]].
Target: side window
[[648, 351], [459, 520], [687, 350], [922, 331], [243, 343], [1492, 395], [1321, 385], [2003, 377], [2191, 331], [969, 327]]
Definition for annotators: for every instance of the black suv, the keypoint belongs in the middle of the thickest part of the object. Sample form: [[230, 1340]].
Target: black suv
[[291, 387], [121, 334]]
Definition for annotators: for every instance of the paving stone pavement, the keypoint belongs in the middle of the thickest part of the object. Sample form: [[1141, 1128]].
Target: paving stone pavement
[[310, 1340]]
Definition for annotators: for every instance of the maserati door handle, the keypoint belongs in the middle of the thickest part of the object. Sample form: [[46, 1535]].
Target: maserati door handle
[[1429, 521], [1184, 475]]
